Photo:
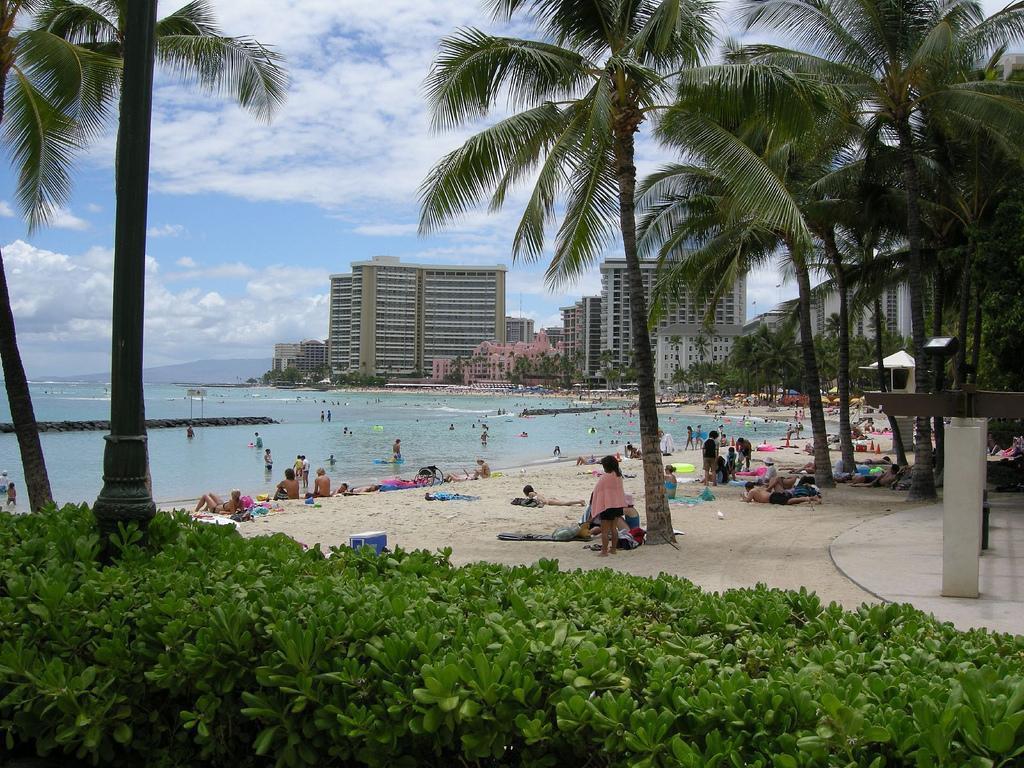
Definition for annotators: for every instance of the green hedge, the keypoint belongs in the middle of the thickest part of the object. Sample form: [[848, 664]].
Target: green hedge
[[210, 649]]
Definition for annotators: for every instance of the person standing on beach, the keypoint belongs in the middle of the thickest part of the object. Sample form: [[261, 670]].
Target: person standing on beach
[[305, 473], [689, 437], [12, 496], [710, 453], [608, 503]]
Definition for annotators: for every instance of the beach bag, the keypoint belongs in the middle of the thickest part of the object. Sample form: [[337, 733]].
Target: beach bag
[[520, 501], [564, 534]]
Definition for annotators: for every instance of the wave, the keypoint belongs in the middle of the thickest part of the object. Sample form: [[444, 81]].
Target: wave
[[446, 409]]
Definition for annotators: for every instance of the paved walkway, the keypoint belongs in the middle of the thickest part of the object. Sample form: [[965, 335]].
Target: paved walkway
[[899, 559]]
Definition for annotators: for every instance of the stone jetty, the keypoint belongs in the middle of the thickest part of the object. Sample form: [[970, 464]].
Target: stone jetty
[[96, 426], [556, 411]]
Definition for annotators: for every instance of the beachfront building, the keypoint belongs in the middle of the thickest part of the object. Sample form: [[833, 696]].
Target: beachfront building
[[389, 317], [684, 345], [581, 334], [307, 356], [685, 310], [773, 318], [518, 329], [497, 363], [555, 335], [895, 308]]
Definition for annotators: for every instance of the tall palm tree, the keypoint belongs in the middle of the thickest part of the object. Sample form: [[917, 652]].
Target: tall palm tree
[[52, 99], [906, 61], [602, 70]]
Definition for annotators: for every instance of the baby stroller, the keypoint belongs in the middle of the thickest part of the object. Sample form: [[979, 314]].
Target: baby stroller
[[432, 474]]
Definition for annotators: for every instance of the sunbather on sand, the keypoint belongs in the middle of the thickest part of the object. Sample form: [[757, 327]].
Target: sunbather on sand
[[549, 501], [345, 490], [583, 460], [210, 503], [757, 495]]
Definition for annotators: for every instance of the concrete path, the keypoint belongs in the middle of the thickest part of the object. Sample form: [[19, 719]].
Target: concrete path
[[898, 558]]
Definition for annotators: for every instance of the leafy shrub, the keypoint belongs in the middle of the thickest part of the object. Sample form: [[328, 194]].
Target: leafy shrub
[[209, 649]]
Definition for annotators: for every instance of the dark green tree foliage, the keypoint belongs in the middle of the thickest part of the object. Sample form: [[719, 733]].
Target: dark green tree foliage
[[1001, 272], [207, 649]]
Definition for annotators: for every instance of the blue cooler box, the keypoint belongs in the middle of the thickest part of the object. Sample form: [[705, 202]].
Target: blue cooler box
[[376, 539]]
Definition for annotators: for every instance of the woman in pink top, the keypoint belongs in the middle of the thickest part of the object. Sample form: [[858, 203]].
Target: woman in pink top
[[608, 503]]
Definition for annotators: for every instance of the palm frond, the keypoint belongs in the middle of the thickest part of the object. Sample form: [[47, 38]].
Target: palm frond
[[42, 141], [472, 68], [81, 84], [591, 215], [253, 74], [588, 26], [78, 23], [489, 161]]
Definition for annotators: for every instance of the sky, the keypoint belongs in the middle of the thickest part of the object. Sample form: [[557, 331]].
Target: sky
[[247, 220]]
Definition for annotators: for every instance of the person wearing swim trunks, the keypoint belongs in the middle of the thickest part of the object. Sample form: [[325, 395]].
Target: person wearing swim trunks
[[268, 460], [322, 484]]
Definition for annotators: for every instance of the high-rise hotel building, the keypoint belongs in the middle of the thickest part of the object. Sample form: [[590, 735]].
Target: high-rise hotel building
[[392, 318], [685, 333]]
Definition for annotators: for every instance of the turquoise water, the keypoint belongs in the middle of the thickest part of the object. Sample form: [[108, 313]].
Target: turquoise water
[[220, 458]]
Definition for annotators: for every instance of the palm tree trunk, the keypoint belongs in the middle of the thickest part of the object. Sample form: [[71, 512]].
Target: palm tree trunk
[[19, 397], [976, 341], [812, 386], [960, 369], [922, 485], [659, 519], [897, 437], [843, 374], [938, 377]]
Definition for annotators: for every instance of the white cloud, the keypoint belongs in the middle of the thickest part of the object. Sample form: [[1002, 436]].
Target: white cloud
[[63, 218], [385, 230], [5, 210], [64, 321], [166, 230], [94, 208], [187, 261]]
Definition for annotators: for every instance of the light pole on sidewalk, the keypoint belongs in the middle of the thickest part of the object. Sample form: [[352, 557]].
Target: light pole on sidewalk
[[126, 496]]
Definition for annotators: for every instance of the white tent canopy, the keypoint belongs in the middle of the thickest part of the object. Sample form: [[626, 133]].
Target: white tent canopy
[[897, 360]]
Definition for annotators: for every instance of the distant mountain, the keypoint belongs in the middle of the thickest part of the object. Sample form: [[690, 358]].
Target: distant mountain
[[230, 371]]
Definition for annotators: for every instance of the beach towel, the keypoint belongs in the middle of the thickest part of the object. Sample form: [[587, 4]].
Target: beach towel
[[450, 497], [559, 534]]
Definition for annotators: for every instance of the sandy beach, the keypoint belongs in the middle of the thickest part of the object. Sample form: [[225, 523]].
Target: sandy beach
[[785, 547]]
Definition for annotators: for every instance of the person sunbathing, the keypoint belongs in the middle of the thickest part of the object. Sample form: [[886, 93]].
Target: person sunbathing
[[549, 501], [581, 460], [345, 490], [884, 480], [758, 495], [210, 503], [483, 470]]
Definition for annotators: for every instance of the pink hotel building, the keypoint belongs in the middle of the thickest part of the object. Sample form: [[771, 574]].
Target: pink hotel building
[[492, 361]]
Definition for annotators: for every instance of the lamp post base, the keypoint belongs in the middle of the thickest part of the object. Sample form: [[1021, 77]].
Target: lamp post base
[[125, 497]]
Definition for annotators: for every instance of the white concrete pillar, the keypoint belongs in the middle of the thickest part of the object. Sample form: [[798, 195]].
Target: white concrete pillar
[[963, 483]]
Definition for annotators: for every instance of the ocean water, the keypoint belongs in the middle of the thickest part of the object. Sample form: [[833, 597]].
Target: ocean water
[[438, 429]]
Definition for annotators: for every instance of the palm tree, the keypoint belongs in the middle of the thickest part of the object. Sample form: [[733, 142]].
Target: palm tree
[[907, 62], [188, 42], [747, 194], [585, 92], [52, 99]]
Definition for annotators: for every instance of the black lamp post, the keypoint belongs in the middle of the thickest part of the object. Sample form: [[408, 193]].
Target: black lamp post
[[125, 496]]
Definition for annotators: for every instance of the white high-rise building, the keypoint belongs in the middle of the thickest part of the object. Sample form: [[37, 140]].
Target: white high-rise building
[[895, 308], [390, 317], [684, 319]]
